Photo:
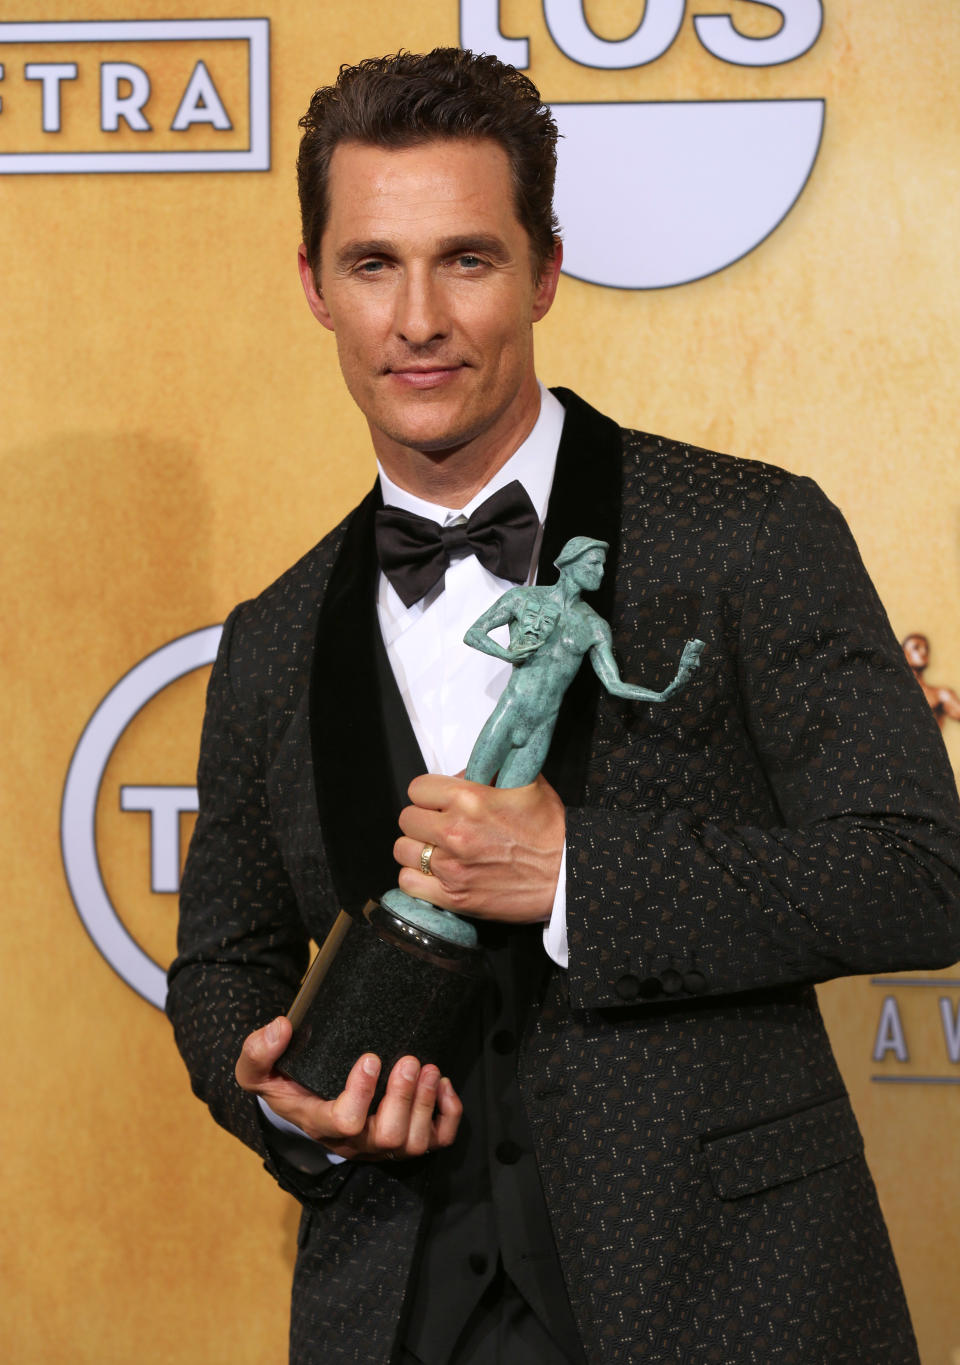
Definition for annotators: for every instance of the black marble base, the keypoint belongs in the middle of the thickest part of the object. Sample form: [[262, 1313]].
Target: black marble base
[[378, 984]]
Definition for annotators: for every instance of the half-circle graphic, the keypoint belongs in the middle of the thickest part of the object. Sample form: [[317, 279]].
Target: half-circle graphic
[[658, 194], [78, 812]]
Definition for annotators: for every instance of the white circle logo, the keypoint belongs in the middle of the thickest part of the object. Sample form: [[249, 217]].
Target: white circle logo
[[81, 791], [656, 193]]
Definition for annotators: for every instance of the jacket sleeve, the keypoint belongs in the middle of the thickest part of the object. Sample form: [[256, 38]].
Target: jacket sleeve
[[241, 947], [861, 871]]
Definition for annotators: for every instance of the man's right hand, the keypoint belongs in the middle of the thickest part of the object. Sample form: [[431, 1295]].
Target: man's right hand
[[419, 1112]]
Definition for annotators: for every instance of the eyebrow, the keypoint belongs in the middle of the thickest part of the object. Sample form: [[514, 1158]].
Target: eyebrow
[[467, 243]]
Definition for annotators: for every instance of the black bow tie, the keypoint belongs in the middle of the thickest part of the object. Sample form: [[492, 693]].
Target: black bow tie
[[414, 551]]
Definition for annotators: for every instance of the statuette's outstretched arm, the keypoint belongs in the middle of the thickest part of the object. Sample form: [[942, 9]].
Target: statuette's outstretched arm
[[605, 667]]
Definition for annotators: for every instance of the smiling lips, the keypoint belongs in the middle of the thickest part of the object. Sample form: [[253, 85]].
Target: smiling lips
[[425, 378]]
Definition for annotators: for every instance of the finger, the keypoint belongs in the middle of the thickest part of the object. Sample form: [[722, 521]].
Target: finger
[[296, 1104], [425, 825], [260, 1051], [434, 791], [420, 1130], [390, 1124], [450, 1111], [431, 889], [351, 1109], [408, 853]]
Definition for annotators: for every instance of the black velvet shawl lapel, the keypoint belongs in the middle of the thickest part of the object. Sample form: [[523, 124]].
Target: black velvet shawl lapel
[[359, 767], [364, 750], [584, 501]]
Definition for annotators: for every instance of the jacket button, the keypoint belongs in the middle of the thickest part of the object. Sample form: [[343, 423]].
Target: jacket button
[[507, 1152], [628, 987], [650, 987], [503, 1041], [695, 982], [671, 981], [477, 1262]]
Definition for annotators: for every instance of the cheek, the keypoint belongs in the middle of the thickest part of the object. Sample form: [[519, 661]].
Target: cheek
[[360, 323], [358, 349], [500, 323]]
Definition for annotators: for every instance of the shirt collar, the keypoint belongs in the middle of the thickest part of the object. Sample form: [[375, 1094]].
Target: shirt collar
[[532, 464]]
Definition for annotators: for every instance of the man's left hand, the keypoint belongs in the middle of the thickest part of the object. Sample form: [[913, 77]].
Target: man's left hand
[[497, 851]]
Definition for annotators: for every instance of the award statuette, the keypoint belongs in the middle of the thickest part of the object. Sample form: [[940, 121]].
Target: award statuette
[[394, 980]]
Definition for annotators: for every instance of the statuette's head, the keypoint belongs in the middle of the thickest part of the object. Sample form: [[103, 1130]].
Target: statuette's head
[[582, 559]]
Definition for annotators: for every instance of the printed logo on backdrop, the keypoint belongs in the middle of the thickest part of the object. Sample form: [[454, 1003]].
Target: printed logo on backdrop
[[163, 803], [132, 95], [654, 194], [917, 1040]]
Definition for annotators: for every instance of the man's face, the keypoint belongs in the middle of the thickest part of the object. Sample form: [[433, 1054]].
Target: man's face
[[587, 570], [426, 279]]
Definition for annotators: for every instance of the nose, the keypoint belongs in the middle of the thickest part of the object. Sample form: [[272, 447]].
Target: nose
[[421, 312]]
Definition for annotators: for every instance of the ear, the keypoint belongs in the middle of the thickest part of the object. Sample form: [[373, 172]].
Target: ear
[[315, 299], [546, 286]]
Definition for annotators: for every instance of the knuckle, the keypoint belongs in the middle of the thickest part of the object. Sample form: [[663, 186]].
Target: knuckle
[[458, 895], [469, 800], [389, 1140], [453, 873], [458, 841], [348, 1125]]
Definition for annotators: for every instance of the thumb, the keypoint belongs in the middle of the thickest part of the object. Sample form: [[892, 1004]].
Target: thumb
[[261, 1050]]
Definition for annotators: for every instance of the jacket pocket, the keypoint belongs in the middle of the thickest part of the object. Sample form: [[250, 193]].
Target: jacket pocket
[[782, 1149]]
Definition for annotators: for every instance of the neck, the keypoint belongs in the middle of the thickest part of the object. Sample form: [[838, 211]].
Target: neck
[[569, 591], [453, 476]]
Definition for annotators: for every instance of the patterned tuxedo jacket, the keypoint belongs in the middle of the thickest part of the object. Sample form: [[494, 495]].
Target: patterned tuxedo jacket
[[789, 817]]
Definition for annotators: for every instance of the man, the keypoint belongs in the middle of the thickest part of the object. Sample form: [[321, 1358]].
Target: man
[[656, 1158]]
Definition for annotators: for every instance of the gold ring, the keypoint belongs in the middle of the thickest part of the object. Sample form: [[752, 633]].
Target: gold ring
[[426, 853]]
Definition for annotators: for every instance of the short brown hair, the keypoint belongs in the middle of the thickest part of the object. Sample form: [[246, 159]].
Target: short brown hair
[[408, 98]]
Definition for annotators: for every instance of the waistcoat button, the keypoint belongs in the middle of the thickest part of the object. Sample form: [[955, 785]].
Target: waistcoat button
[[671, 981], [628, 987]]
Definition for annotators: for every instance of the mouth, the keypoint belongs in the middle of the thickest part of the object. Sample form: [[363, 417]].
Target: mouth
[[423, 376]]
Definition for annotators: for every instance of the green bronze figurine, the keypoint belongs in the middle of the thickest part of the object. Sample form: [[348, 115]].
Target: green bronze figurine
[[551, 629]]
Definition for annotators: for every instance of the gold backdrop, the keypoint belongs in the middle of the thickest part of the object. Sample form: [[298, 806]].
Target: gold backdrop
[[175, 433]]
